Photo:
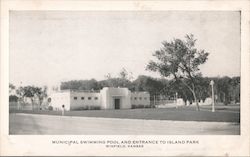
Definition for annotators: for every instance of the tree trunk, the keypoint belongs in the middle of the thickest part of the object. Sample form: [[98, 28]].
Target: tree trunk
[[32, 104], [192, 89], [196, 102], [40, 104]]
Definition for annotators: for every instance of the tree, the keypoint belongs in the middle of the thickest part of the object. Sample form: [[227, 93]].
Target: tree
[[146, 83], [123, 80], [202, 86], [178, 87], [124, 74], [13, 98], [80, 85], [31, 92], [222, 89], [235, 89], [20, 94], [181, 60], [12, 94], [11, 88], [228, 89], [41, 93]]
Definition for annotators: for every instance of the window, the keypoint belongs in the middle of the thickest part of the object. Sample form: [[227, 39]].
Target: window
[[82, 98], [89, 98], [75, 98], [145, 98], [140, 98], [135, 98], [96, 98]]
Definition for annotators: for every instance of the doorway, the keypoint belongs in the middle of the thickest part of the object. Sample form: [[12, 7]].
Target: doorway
[[117, 103]]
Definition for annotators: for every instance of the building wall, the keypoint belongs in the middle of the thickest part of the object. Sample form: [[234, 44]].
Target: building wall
[[60, 98], [140, 98], [110, 94], [105, 99], [84, 100]]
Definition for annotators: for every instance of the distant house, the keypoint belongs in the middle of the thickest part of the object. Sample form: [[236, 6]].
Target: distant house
[[107, 98]]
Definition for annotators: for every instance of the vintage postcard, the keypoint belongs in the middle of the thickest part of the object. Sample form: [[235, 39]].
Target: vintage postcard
[[125, 78]]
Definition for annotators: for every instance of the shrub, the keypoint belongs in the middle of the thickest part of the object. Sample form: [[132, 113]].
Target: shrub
[[152, 106], [80, 108], [139, 106], [94, 107], [50, 108], [85, 108], [13, 98]]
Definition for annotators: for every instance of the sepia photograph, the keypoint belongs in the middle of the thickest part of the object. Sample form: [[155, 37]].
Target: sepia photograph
[[124, 72], [124, 78]]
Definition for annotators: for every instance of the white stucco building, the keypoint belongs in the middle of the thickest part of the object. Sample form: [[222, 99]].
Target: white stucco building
[[107, 98]]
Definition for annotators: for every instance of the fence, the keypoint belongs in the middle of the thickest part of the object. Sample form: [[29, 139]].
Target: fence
[[156, 101], [14, 106]]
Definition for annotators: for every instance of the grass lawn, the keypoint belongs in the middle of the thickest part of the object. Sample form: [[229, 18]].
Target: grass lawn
[[222, 114]]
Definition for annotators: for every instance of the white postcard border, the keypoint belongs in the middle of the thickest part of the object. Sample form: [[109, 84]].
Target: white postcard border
[[223, 145]]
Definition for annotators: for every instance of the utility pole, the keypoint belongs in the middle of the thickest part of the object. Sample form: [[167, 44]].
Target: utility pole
[[154, 100], [176, 97], [212, 85]]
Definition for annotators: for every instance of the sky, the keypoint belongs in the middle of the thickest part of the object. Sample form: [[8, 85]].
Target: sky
[[47, 47]]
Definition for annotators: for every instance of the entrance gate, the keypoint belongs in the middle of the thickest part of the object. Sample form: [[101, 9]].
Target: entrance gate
[[117, 103]]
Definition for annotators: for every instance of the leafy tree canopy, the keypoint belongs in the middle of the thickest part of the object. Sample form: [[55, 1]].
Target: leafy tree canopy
[[181, 60]]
